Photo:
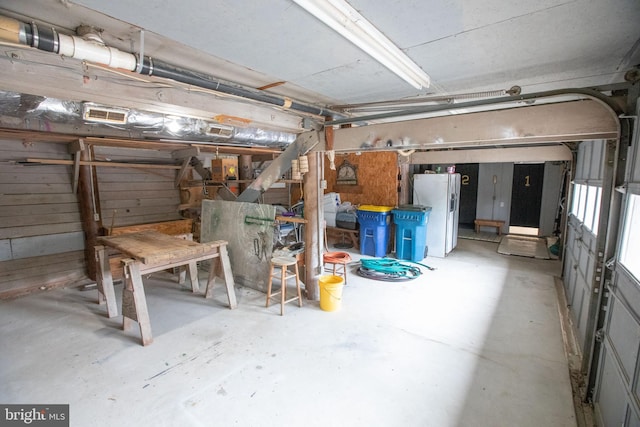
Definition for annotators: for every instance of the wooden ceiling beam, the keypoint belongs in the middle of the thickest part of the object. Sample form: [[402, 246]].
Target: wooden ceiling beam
[[137, 143]]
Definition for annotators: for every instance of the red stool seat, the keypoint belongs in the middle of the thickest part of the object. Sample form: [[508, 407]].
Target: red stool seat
[[338, 259]]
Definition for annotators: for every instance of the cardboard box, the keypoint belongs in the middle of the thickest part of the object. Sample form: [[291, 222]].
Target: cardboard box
[[224, 169]]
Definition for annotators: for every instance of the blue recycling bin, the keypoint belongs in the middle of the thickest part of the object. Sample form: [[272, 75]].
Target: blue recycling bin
[[375, 225], [411, 231]]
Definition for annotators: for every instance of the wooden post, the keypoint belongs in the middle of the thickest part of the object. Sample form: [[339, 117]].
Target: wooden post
[[403, 182], [86, 201], [328, 137], [314, 229], [246, 170]]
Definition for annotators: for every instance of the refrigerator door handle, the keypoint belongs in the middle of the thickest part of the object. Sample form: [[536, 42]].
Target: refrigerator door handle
[[452, 203]]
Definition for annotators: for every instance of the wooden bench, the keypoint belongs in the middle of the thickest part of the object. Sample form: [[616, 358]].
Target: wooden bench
[[489, 223], [352, 235]]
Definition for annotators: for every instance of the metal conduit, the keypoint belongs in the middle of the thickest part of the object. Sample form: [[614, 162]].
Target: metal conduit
[[592, 93]]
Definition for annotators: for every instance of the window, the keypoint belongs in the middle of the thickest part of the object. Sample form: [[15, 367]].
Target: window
[[582, 202], [596, 212], [631, 237], [576, 199], [586, 205], [590, 207]]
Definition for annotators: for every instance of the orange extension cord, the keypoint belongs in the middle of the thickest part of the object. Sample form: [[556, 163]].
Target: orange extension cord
[[337, 257]]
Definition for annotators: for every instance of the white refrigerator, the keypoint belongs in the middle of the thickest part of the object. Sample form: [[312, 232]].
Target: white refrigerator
[[441, 191]]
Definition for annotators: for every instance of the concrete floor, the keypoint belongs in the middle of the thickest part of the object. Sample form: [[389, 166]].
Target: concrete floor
[[475, 343]]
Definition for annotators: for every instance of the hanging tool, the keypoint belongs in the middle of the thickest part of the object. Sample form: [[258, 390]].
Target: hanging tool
[[256, 247], [254, 220], [260, 245]]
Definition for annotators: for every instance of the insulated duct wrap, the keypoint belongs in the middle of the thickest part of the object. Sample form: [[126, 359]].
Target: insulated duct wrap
[[150, 125], [263, 137]]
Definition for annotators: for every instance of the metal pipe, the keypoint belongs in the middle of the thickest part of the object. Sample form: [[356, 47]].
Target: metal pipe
[[404, 103], [48, 39], [483, 102], [162, 69]]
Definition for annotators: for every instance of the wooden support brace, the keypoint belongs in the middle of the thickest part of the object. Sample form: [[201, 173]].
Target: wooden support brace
[[192, 268], [183, 171], [184, 155], [104, 280], [227, 276], [76, 148], [134, 302]]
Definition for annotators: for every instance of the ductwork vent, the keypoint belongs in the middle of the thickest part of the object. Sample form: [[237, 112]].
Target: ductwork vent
[[219, 131], [96, 113], [132, 122]]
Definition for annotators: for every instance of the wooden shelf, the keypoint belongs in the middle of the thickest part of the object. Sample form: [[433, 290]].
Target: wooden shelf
[[347, 189], [248, 181], [198, 183], [295, 219]]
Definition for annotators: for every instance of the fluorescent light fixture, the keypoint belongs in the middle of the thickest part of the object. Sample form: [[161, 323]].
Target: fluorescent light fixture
[[346, 21]]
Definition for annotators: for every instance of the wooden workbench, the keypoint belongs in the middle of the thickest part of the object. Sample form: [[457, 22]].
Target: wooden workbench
[[151, 251]]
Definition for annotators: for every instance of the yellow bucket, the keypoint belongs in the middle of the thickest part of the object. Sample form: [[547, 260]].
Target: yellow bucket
[[330, 292]]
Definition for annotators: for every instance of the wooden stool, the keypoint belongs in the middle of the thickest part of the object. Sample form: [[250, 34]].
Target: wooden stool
[[283, 262], [338, 259]]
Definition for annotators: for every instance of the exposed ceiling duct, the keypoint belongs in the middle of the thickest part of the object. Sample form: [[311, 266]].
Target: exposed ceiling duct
[[26, 108]]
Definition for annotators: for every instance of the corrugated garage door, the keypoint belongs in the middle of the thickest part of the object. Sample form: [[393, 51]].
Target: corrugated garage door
[[582, 231], [617, 388]]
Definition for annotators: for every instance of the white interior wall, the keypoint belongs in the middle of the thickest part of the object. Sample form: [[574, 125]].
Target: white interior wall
[[494, 200]]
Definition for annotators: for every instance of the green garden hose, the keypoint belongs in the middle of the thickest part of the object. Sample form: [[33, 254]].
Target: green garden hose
[[388, 269]]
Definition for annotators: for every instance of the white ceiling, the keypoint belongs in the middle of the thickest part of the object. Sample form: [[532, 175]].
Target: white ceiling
[[464, 45]]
